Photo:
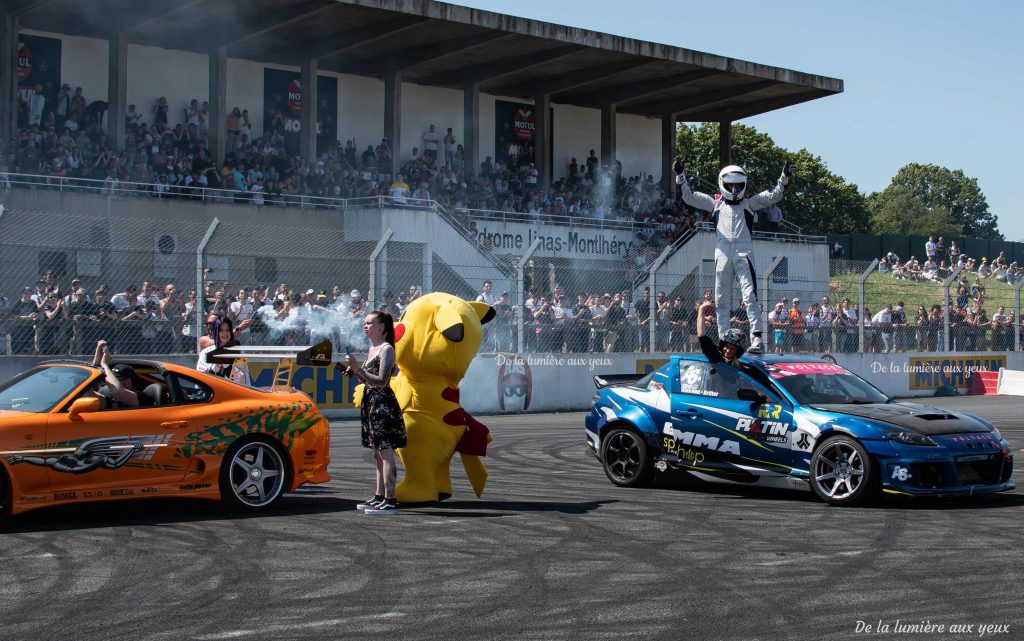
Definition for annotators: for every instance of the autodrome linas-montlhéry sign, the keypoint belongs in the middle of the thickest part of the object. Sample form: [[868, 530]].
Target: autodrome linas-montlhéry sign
[[571, 242]]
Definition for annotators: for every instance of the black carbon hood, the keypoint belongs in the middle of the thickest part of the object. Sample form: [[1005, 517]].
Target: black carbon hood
[[926, 420]]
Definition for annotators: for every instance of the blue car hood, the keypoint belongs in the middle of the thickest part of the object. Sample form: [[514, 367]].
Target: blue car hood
[[923, 419]]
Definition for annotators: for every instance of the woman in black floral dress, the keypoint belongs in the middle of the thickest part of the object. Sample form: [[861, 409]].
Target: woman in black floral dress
[[383, 427]]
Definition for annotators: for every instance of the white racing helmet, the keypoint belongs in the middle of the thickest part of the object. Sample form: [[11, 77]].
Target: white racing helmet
[[732, 181]]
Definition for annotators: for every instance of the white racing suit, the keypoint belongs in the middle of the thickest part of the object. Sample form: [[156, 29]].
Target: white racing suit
[[733, 247]]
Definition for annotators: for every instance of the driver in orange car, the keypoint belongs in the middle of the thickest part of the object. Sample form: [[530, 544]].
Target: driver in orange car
[[119, 391]]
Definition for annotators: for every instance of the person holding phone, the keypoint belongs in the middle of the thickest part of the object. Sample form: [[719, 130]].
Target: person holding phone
[[383, 428]]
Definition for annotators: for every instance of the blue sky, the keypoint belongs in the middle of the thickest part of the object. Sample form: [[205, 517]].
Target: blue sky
[[933, 81]]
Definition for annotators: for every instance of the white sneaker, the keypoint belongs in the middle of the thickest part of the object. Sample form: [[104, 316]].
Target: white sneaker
[[756, 345]]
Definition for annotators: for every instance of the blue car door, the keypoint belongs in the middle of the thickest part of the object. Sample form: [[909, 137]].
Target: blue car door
[[686, 422], [751, 439]]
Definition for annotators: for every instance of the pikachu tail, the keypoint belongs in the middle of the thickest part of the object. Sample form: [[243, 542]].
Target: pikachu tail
[[475, 471]]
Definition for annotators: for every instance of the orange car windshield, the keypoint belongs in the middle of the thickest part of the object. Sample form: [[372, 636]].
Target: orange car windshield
[[41, 389]]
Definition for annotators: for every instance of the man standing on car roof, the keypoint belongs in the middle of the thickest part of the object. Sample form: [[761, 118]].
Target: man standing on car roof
[[733, 214]]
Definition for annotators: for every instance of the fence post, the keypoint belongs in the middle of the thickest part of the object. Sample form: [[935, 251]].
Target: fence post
[[428, 267], [521, 293], [371, 296], [766, 298], [1016, 315], [946, 307], [200, 320], [860, 304], [652, 318]]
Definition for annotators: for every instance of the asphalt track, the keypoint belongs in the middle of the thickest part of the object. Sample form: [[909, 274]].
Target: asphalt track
[[553, 551]]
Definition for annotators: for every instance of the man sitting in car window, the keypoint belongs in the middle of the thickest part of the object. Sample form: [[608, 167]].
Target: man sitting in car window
[[730, 346], [119, 390]]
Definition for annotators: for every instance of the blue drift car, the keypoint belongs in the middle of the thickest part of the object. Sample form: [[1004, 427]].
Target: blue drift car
[[790, 422]]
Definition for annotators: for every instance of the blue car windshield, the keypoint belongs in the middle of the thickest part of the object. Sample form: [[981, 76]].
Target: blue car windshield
[[814, 383], [40, 390]]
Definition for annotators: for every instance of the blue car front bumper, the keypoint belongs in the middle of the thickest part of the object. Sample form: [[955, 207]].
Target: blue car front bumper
[[947, 470]]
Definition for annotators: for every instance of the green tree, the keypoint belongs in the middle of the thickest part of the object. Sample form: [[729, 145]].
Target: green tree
[[817, 200], [898, 212], [940, 189]]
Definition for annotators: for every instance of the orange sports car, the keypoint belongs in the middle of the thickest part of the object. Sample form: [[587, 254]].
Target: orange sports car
[[192, 435]]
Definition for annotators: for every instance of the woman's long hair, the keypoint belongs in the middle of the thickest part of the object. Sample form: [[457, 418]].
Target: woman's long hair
[[389, 326], [217, 324]]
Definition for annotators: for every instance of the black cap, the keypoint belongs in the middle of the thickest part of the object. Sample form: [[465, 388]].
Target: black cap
[[123, 371]]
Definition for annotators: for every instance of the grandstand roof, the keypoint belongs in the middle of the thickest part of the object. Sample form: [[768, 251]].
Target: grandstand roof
[[444, 45]]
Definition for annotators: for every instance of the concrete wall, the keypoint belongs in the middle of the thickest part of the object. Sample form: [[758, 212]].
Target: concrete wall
[[564, 382], [577, 131], [179, 76]]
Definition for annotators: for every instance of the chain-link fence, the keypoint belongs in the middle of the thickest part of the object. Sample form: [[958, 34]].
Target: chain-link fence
[[149, 283]]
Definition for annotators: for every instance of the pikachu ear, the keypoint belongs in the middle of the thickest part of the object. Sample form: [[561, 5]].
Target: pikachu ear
[[448, 322], [484, 311]]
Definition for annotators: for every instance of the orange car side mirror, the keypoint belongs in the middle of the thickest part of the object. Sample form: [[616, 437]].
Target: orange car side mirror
[[83, 406]]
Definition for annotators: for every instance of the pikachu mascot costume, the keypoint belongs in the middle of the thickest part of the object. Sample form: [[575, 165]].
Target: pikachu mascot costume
[[436, 340]]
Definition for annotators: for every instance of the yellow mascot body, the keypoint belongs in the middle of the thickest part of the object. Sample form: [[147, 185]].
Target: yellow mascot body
[[436, 340]]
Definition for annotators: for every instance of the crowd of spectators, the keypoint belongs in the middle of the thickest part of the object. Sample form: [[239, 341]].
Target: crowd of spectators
[[824, 327], [68, 142], [940, 263], [150, 319], [971, 326]]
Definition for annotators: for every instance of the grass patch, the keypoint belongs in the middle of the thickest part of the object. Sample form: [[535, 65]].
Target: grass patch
[[880, 289]]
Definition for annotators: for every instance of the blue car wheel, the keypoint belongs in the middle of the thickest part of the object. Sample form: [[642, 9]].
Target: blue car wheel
[[842, 472], [625, 459]]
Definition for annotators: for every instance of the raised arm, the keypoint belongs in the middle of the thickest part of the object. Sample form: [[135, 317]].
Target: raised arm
[[767, 198], [693, 199], [700, 318]]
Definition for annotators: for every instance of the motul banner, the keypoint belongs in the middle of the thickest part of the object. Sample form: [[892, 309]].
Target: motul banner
[[282, 108], [38, 72]]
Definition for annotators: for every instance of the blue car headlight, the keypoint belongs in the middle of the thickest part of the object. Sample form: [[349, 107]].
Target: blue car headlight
[[907, 437]]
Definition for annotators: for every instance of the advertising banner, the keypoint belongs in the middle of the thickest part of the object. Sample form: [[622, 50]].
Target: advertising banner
[[282, 108], [515, 130], [38, 73]]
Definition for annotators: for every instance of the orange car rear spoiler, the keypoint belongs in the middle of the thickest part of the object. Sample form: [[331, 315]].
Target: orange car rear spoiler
[[286, 357]]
